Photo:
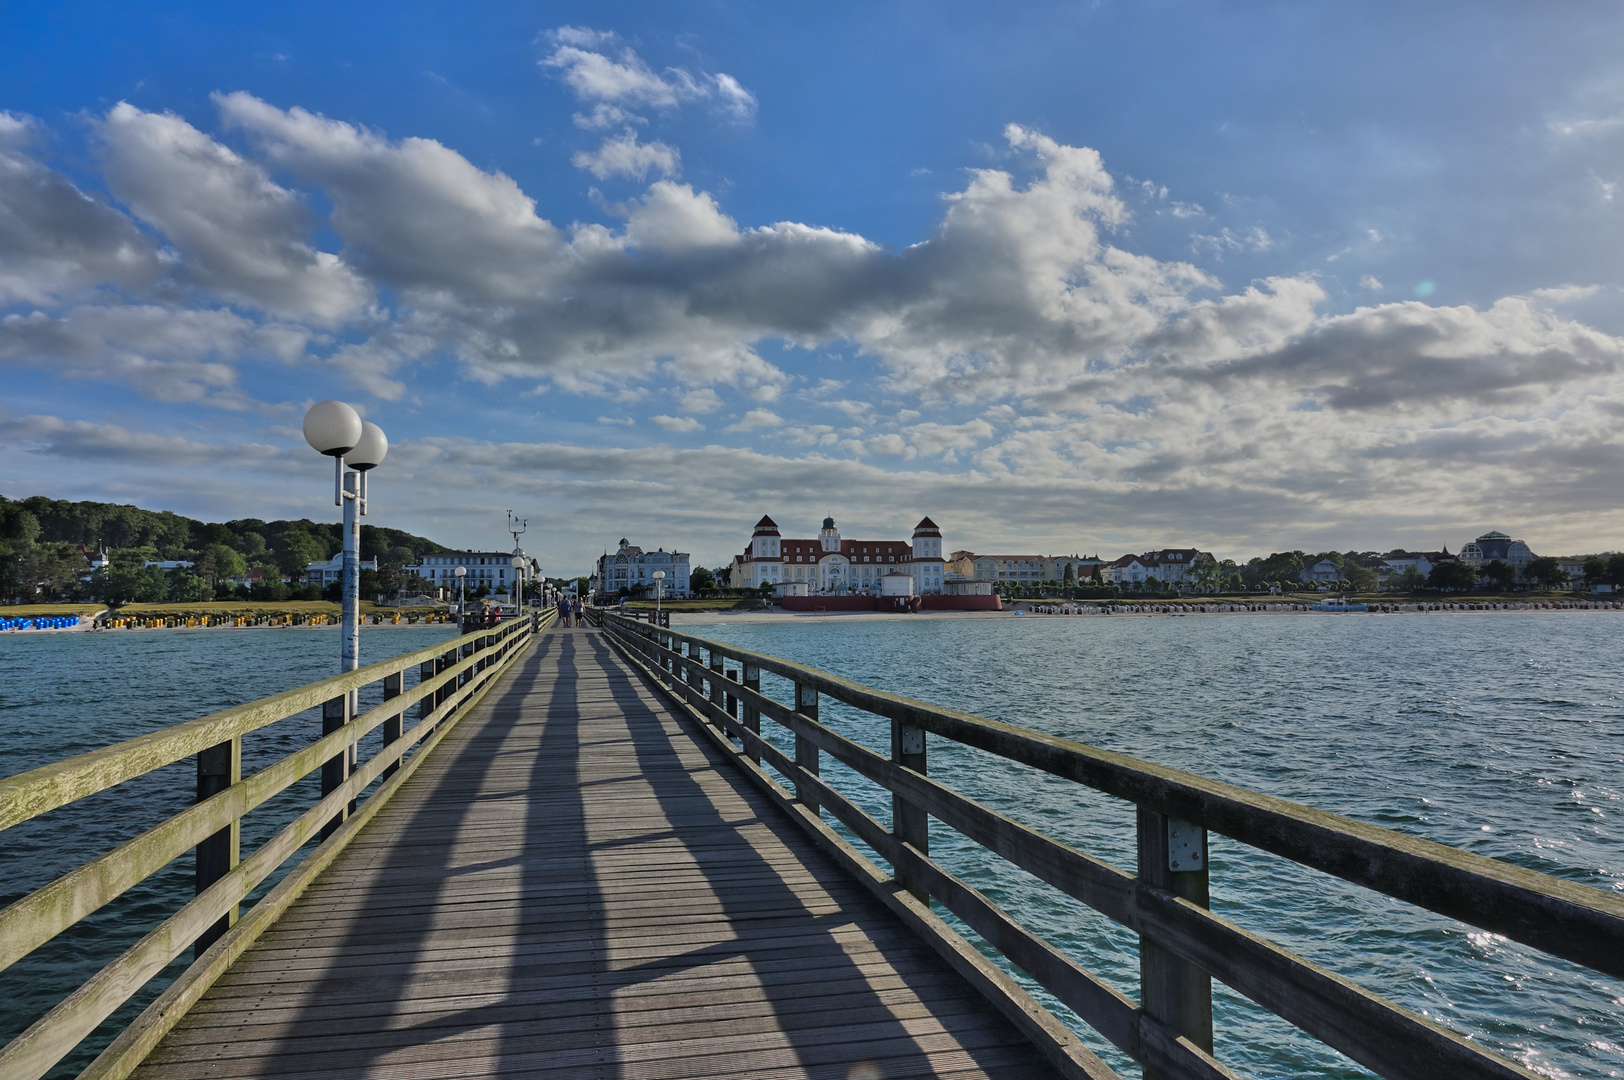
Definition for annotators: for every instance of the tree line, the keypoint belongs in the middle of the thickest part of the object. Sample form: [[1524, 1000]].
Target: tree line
[[46, 545]]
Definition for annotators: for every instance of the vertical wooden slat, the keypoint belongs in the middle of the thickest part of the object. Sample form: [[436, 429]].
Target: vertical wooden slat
[[334, 715], [806, 751], [1172, 990], [218, 767], [715, 677], [731, 701], [909, 822], [392, 726], [752, 715], [425, 672]]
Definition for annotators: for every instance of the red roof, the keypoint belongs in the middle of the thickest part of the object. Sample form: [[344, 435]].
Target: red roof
[[766, 523]]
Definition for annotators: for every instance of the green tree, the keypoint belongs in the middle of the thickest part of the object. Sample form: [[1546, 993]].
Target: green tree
[[186, 587], [1452, 576], [1595, 570], [1615, 572], [1410, 580], [295, 551], [218, 563], [1360, 578], [1207, 574], [1547, 572], [1069, 577], [701, 581], [1499, 573]]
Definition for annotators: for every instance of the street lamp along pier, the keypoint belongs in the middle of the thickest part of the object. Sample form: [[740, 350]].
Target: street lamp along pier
[[336, 430]]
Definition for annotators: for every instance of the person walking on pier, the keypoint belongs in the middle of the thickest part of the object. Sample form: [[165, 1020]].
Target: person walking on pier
[[575, 612], [563, 611]]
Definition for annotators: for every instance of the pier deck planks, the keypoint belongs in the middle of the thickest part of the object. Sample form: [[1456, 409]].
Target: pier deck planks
[[574, 887]]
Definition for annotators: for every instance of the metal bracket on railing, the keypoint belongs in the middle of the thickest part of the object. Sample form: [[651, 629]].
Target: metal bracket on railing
[[1186, 845]]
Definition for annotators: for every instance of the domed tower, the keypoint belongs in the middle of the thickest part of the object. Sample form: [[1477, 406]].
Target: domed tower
[[764, 541], [829, 536], [927, 565]]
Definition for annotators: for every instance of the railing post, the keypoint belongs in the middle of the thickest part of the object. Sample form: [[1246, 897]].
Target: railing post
[[716, 679], [688, 675], [752, 715], [336, 769], [909, 822], [731, 700], [391, 726], [218, 767], [806, 751], [425, 705], [1173, 857]]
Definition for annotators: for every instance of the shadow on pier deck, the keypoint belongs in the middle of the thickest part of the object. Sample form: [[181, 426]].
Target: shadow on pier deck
[[574, 885]]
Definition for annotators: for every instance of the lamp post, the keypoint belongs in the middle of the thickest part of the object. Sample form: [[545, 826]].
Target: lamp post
[[518, 581], [461, 574], [659, 592], [336, 430]]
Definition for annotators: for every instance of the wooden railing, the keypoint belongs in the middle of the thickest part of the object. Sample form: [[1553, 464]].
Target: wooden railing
[[1183, 945], [451, 676]]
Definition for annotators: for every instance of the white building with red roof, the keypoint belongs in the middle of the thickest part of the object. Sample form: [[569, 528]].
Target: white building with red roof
[[830, 564]]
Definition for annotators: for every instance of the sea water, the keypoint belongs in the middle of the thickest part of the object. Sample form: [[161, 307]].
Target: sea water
[[1502, 734], [63, 694], [1498, 733]]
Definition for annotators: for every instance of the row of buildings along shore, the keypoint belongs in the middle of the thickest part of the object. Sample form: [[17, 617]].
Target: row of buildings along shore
[[830, 564]]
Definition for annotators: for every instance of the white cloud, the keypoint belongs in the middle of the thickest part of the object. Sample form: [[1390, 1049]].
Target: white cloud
[[702, 401], [677, 423], [109, 443], [239, 234], [600, 70], [625, 156], [606, 116], [56, 241], [1226, 241], [755, 419], [167, 354], [1371, 282]]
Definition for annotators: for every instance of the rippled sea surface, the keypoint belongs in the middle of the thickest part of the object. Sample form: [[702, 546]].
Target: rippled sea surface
[[64, 694], [1499, 733]]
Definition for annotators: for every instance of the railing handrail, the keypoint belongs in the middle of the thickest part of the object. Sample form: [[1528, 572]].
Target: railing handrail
[[29, 794], [1516, 896], [1578, 922], [453, 674]]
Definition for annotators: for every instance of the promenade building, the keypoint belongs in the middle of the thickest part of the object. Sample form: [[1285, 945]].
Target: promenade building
[[1021, 569], [328, 571], [493, 569], [830, 564], [1494, 545], [1397, 561], [1170, 566], [629, 567]]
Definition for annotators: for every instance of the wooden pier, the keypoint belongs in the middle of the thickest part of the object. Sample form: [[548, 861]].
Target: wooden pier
[[575, 886], [585, 859]]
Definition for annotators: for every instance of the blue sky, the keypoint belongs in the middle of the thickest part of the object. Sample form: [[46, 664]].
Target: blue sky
[[1067, 279]]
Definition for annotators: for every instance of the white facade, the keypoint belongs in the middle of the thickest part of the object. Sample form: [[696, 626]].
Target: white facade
[[491, 568], [629, 566], [331, 570], [833, 565]]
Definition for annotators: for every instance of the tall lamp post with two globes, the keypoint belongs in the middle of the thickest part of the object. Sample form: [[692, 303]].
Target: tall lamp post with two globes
[[337, 430]]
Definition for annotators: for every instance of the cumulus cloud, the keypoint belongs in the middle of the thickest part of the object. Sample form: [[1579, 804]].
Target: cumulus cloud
[[167, 354], [1020, 348], [701, 401], [55, 240], [625, 156], [756, 419], [239, 233], [80, 439], [601, 70]]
